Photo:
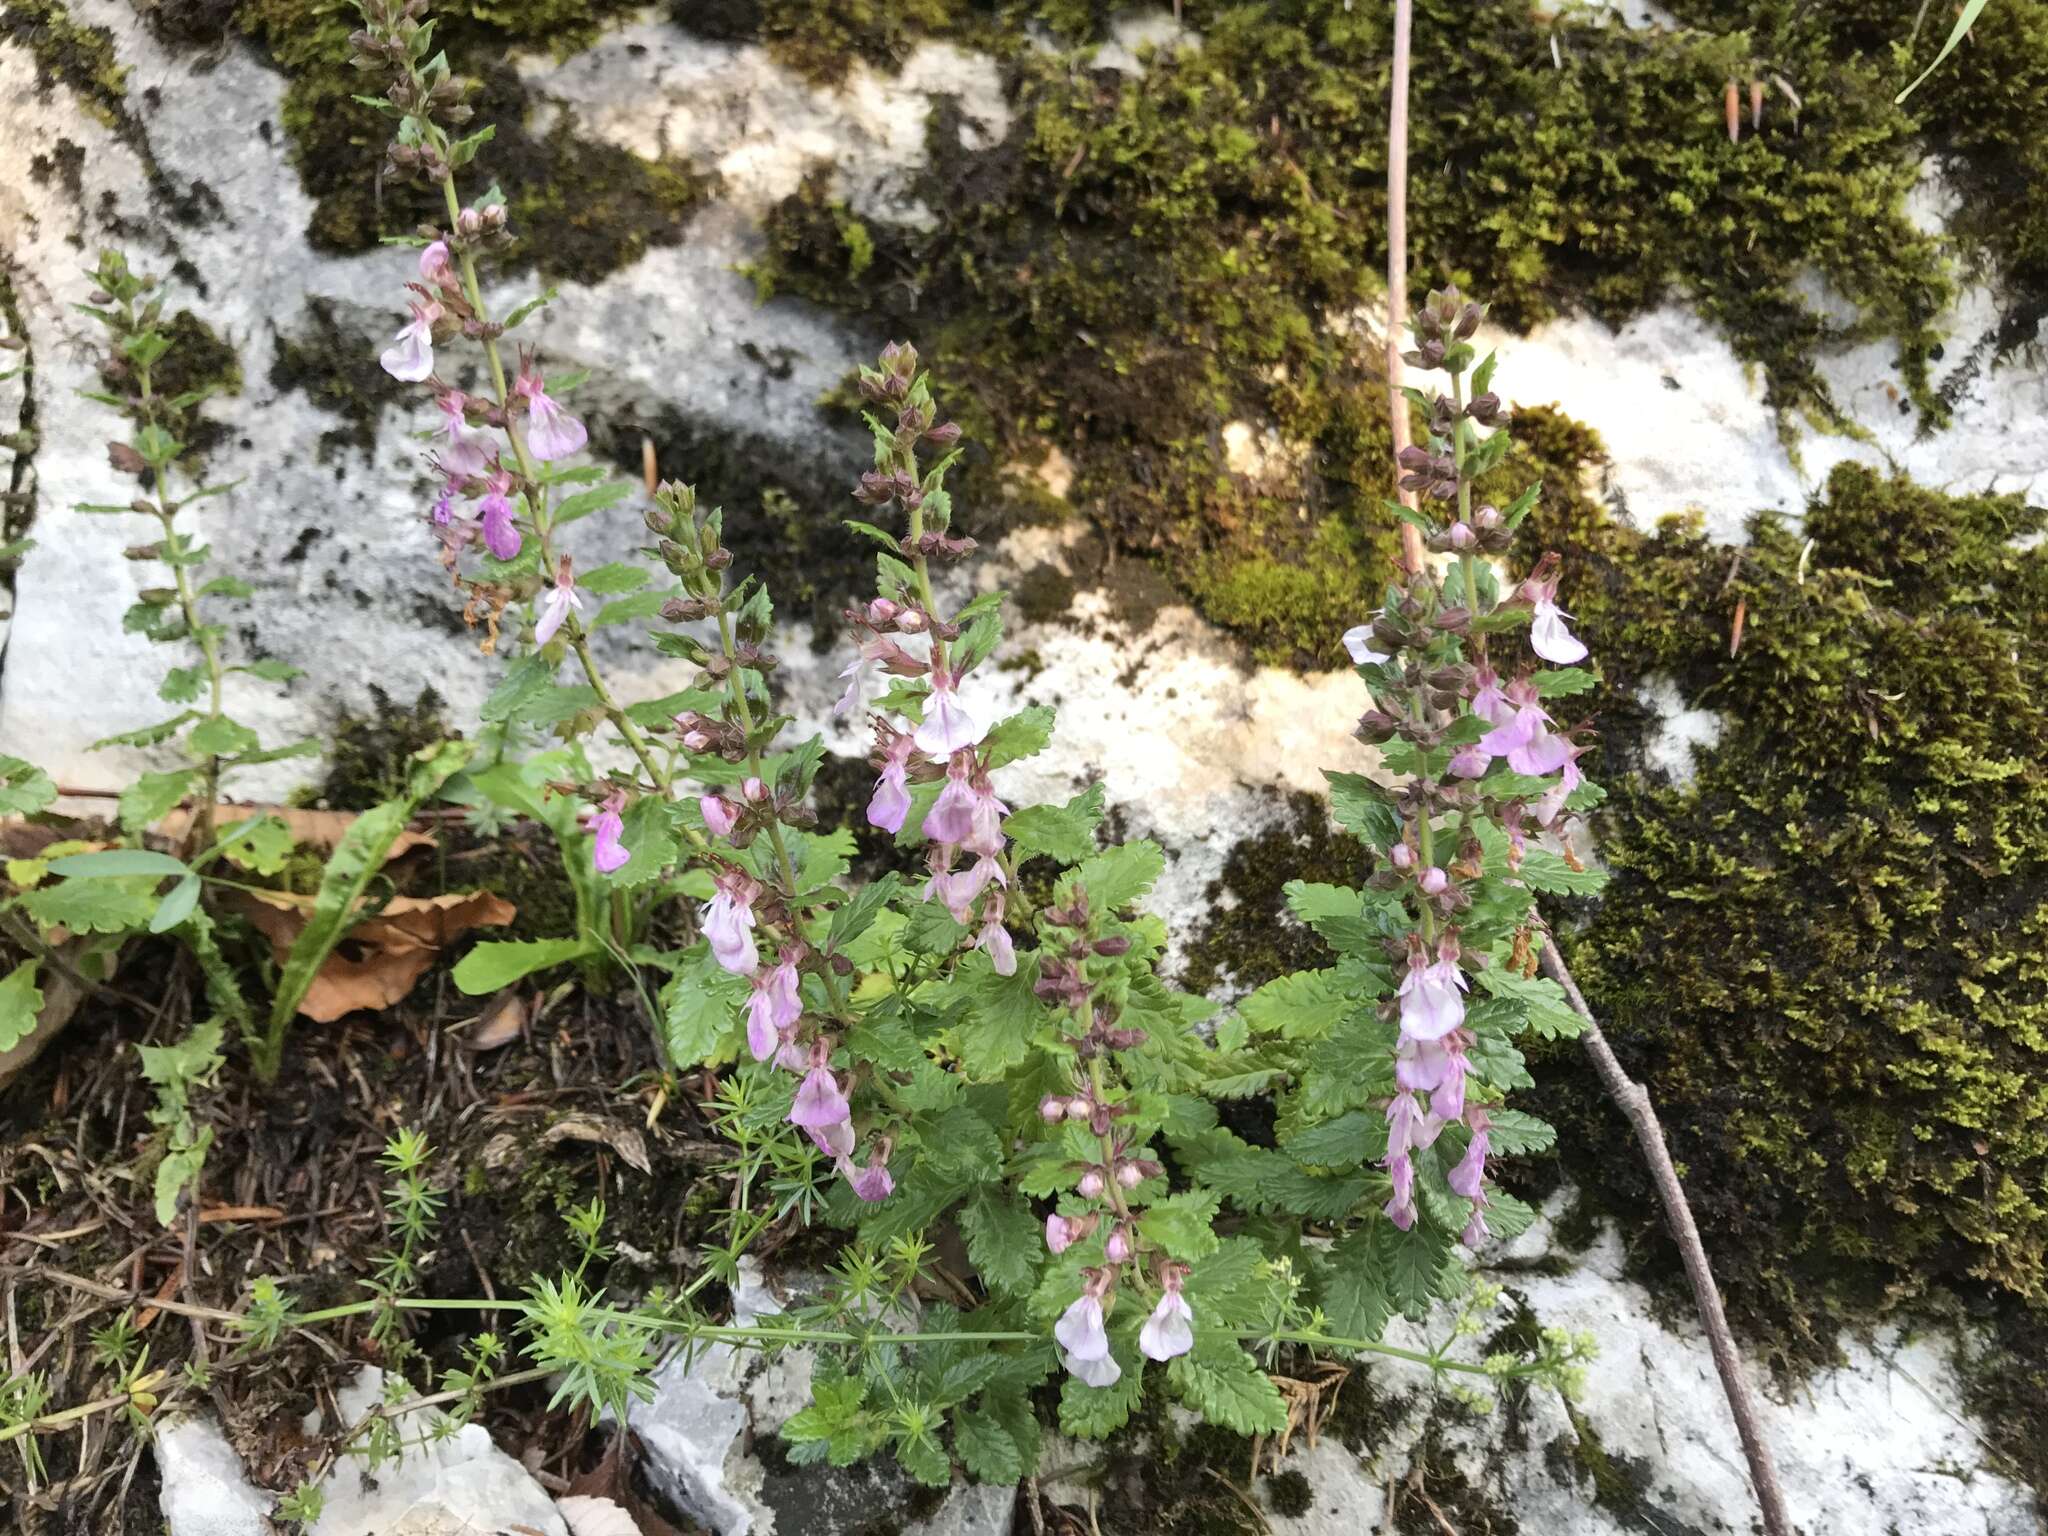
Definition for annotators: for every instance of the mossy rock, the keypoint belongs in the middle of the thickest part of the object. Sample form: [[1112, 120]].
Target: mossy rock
[[1823, 956], [1146, 262]]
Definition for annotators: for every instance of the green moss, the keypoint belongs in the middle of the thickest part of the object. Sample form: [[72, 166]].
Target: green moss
[[71, 54], [1292, 1494], [369, 757], [1144, 262], [582, 209], [1823, 957], [1248, 938]]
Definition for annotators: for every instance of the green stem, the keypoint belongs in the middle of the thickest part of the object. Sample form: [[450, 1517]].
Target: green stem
[[542, 527], [188, 605]]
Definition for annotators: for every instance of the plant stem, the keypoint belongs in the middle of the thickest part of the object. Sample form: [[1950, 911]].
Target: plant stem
[[1634, 1102], [188, 605], [543, 531], [44, 1423], [1397, 262]]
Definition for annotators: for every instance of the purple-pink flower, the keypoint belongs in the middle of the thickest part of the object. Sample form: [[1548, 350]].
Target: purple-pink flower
[[551, 432], [1469, 1177], [410, 357], [728, 922], [462, 453], [947, 727], [501, 534], [951, 818], [1080, 1331], [1526, 740], [607, 853], [819, 1101], [1358, 641], [774, 1005], [1170, 1330], [891, 801], [1401, 1207], [871, 1183], [435, 266], [556, 604], [1432, 1004], [719, 813]]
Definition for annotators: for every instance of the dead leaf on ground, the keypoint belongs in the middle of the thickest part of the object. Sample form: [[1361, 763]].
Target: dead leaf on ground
[[61, 997], [499, 1024], [309, 829], [593, 1495], [380, 959], [505, 1146]]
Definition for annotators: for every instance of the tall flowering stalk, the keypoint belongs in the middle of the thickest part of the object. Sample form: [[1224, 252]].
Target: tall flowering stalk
[[1402, 1054]]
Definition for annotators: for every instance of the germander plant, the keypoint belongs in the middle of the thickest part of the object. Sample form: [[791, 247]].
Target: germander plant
[[991, 1047]]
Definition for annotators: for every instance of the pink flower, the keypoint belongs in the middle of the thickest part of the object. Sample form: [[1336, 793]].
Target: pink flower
[[1475, 1231], [463, 453], [891, 801], [1447, 1102], [773, 1007], [1469, 1177], [1549, 638], [951, 818], [1170, 1330], [1552, 802], [551, 432], [1093, 1373], [606, 852], [555, 606], [719, 814], [1470, 762], [1080, 1331], [1118, 1249], [995, 939], [957, 889], [501, 534], [871, 1183], [410, 357], [1420, 1065], [1401, 1208], [1062, 1233], [1431, 1006], [435, 267], [1489, 703], [1408, 1128], [835, 1140], [1526, 740], [728, 922], [819, 1102], [985, 822], [1358, 642], [947, 728]]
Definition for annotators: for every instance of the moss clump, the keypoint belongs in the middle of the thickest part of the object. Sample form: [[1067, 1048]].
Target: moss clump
[[369, 757], [1149, 266], [583, 209], [1823, 957], [71, 54], [822, 39], [338, 373], [1248, 938], [1292, 1494]]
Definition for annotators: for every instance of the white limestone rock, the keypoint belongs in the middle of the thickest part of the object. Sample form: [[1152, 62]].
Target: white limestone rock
[[205, 1491]]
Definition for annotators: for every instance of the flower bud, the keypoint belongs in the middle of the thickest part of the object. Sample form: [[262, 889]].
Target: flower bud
[[1487, 518], [1402, 855], [1130, 1175], [911, 621], [754, 790], [1433, 881], [1091, 1184], [696, 741], [1118, 1249], [882, 611], [1078, 1107], [1462, 537], [1115, 944], [1052, 1109]]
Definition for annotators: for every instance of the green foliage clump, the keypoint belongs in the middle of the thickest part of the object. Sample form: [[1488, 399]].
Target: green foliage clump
[[602, 206], [1147, 260], [1823, 956]]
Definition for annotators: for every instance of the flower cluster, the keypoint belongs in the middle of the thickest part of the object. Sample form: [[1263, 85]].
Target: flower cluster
[[901, 632], [1471, 728]]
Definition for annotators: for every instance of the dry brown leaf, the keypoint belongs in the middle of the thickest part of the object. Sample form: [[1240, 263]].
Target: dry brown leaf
[[309, 829], [501, 1023], [61, 997], [380, 959], [622, 1139]]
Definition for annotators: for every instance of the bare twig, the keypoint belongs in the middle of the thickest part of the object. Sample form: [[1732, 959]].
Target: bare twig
[[1397, 261], [1634, 1102]]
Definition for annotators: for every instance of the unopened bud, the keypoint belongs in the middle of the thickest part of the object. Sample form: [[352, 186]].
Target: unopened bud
[[1091, 1184], [1130, 1175], [1433, 881], [1052, 1109], [1115, 944], [1402, 855], [1118, 1249], [754, 790]]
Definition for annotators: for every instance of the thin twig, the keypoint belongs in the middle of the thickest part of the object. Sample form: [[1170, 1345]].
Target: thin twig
[[1397, 263], [1634, 1102]]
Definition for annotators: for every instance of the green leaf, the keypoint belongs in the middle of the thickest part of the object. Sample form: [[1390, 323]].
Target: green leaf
[[648, 835], [261, 843], [1545, 871], [269, 671], [1003, 1241], [1303, 1005], [625, 610], [821, 857], [178, 1171], [1519, 508], [176, 906], [798, 767], [1361, 808], [524, 681], [218, 736], [1515, 1134], [94, 906], [227, 586], [145, 736], [1557, 682], [1024, 734], [1183, 1224], [21, 1002], [1223, 1384], [1482, 376], [24, 788], [1002, 1015], [1354, 1137], [703, 1003], [988, 1450], [116, 862], [1117, 876], [1412, 1263], [1966, 18], [855, 916], [1354, 1293], [614, 579], [1550, 1014], [500, 962], [181, 685], [357, 857], [1095, 1413], [522, 311], [1065, 833]]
